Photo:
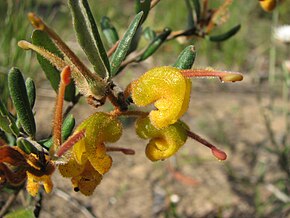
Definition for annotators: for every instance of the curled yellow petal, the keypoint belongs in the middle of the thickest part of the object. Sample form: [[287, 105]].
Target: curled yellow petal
[[163, 142], [168, 89], [100, 127]]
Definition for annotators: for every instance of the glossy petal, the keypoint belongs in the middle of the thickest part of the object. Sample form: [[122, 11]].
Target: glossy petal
[[168, 89], [163, 142]]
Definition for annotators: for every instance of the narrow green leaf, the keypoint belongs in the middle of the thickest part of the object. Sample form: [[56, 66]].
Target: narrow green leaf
[[155, 44], [66, 131], [89, 37], [31, 92], [67, 126], [20, 100], [21, 213], [41, 39], [26, 146], [124, 45], [7, 121], [143, 5], [186, 58], [197, 9], [109, 31], [190, 18], [226, 35]]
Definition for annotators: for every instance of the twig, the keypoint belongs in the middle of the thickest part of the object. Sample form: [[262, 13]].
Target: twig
[[74, 203], [8, 203], [154, 3], [278, 194], [111, 50]]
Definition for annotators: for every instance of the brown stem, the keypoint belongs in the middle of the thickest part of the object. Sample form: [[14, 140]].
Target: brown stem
[[134, 113], [215, 151], [126, 151], [154, 3], [113, 49], [75, 61]]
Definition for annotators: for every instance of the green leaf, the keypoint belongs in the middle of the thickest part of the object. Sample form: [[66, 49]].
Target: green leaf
[[26, 146], [66, 131], [42, 39], [89, 37], [124, 45], [226, 35], [143, 5], [67, 126], [155, 44], [20, 100], [186, 58], [109, 31], [7, 121], [31, 92], [190, 18], [21, 213], [197, 9]]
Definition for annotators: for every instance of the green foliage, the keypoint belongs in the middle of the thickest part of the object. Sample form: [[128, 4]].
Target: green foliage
[[124, 44], [21, 102], [40, 38], [89, 37]]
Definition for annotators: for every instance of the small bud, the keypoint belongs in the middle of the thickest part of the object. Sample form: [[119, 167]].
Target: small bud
[[218, 153]]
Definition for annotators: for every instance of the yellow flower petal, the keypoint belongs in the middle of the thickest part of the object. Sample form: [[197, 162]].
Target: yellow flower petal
[[99, 128], [164, 142], [87, 181], [33, 183], [168, 89], [71, 168]]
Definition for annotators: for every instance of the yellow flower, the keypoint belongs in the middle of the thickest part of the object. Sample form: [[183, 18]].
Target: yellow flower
[[89, 160], [33, 183], [268, 5], [163, 142], [84, 177], [168, 89]]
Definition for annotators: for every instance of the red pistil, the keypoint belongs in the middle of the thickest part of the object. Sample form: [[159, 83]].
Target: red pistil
[[70, 142], [224, 76]]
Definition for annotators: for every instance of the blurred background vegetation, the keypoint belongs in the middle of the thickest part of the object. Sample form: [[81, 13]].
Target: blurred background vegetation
[[247, 52]]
